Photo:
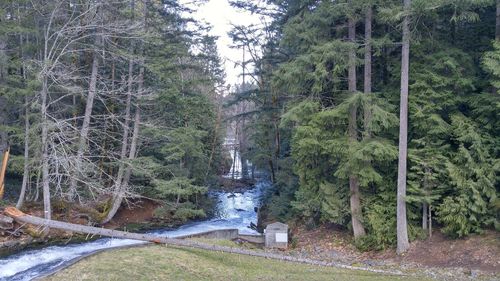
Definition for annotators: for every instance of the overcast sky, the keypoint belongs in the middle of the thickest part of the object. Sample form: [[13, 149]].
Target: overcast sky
[[221, 15]]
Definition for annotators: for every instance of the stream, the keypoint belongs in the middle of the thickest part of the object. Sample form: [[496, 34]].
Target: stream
[[233, 210]]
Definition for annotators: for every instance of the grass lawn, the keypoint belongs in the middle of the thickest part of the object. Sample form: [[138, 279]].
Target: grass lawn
[[169, 263]]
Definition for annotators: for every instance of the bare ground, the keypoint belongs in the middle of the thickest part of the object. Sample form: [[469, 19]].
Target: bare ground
[[471, 256]]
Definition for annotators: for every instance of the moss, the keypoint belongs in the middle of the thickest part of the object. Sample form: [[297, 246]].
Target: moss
[[97, 213], [33, 232]]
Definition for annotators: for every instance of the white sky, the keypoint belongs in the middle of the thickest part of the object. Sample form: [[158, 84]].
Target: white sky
[[221, 15]]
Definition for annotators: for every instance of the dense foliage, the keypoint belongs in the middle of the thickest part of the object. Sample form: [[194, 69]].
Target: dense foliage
[[124, 96], [306, 113]]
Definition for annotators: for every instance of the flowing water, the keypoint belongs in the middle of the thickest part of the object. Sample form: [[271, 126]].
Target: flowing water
[[232, 211]]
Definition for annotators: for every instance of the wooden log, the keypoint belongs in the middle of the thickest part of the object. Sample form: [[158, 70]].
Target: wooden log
[[6, 223], [24, 218], [5, 219]]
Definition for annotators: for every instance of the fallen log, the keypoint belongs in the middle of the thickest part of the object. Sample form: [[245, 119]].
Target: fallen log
[[24, 218], [6, 222], [5, 219]]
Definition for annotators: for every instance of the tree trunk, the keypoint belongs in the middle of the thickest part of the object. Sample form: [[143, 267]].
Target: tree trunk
[[430, 220], [235, 149], [273, 174], [355, 201], [24, 185], [214, 142], [402, 227], [45, 155], [4, 141], [497, 27], [497, 34], [82, 143], [368, 69], [3, 169], [37, 186], [118, 189], [424, 216], [123, 185], [132, 153]]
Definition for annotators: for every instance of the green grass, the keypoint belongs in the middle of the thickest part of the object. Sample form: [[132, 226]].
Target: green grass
[[170, 263]]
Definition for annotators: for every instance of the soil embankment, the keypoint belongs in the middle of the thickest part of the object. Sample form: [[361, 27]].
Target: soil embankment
[[476, 253], [137, 216]]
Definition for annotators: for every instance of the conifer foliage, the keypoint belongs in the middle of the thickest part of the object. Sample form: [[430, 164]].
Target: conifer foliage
[[331, 134], [106, 101]]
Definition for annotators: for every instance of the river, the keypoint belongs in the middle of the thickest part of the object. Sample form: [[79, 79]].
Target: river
[[232, 211]]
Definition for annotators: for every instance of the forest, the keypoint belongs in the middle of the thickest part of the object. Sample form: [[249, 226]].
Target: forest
[[102, 102], [381, 117]]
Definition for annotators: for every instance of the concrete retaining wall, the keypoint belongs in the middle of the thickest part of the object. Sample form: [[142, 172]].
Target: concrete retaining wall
[[227, 234], [257, 239]]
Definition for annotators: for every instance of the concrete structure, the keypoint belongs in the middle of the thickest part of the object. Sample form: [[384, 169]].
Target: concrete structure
[[226, 234], [276, 235]]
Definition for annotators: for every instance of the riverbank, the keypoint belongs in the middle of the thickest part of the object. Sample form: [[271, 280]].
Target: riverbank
[[232, 211], [136, 216], [477, 256]]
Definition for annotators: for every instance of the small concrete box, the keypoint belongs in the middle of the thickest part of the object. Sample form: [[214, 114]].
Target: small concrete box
[[276, 235]]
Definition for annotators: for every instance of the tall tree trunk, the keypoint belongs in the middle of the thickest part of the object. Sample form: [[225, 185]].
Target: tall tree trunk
[[429, 212], [24, 185], [424, 215], [123, 183], [273, 174], [3, 120], [45, 155], [355, 201], [82, 143], [37, 186], [368, 69], [133, 150], [426, 194], [497, 34], [3, 169], [497, 28], [214, 142], [118, 191], [402, 225], [235, 149]]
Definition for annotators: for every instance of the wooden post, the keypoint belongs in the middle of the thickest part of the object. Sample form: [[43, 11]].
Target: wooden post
[[2, 171]]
